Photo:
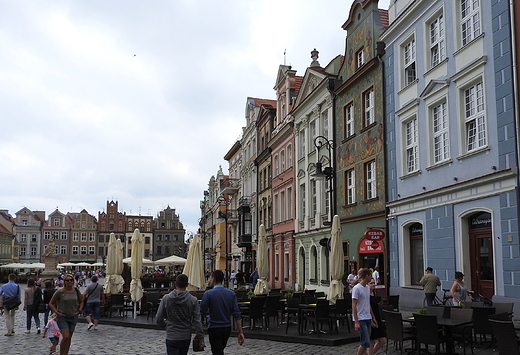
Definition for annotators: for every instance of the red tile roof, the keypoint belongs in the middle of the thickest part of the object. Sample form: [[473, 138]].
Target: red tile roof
[[4, 230], [298, 84], [260, 102], [383, 14]]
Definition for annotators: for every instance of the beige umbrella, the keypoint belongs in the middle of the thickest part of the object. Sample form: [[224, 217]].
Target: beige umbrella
[[194, 266], [144, 262], [136, 289], [114, 266], [262, 263], [171, 260], [336, 262]]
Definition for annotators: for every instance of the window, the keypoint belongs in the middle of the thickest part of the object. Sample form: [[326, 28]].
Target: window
[[303, 201], [83, 250], [56, 222], [302, 143], [159, 250], [474, 117], [146, 240], [24, 222], [33, 237], [101, 251], [176, 238], [276, 209], [63, 250], [83, 225], [410, 74], [63, 235], [368, 99], [412, 157], [349, 120], [313, 129], [327, 197], [441, 147], [33, 251], [360, 58], [46, 235], [470, 20], [370, 178], [289, 156], [23, 238], [101, 238], [83, 237], [23, 251], [92, 237], [325, 123], [282, 161], [289, 203], [416, 252], [91, 250], [159, 237], [314, 265], [167, 250], [147, 253], [276, 170], [350, 182], [313, 198], [282, 206], [276, 266], [325, 267], [167, 238], [437, 52], [75, 250], [75, 237]]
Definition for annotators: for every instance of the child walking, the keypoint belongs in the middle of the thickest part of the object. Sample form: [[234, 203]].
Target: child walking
[[52, 331]]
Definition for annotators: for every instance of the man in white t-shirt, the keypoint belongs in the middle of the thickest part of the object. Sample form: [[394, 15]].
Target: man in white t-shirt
[[362, 313], [375, 275]]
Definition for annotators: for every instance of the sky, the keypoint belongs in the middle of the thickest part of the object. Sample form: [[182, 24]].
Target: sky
[[139, 101]]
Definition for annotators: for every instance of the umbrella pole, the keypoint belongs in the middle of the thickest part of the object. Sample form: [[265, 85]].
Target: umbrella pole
[[135, 310]]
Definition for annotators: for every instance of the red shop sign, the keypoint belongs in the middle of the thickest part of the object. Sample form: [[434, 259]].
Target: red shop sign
[[367, 247], [374, 234]]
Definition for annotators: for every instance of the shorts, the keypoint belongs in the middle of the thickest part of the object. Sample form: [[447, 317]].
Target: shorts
[[54, 339], [365, 328], [93, 309], [67, 323]]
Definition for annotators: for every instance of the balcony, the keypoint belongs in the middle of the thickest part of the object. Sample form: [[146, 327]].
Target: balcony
[[229, 186], [245, 241]]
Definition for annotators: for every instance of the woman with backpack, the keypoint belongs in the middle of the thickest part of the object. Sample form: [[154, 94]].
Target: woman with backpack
[[48, 292], [67, 303], [33, 296]]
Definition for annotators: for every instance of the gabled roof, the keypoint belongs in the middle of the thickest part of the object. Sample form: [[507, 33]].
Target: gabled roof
[[4, 230]]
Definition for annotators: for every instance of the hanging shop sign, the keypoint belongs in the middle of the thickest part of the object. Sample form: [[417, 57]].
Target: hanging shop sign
[[374, 234], [367, 247]]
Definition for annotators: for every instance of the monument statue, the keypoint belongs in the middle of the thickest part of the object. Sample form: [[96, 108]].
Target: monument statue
[[50, 258]]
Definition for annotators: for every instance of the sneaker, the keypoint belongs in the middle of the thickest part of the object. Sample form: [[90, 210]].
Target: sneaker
[[95, 327], [27, 331], [8, 334], [38, 330], [90, 325]]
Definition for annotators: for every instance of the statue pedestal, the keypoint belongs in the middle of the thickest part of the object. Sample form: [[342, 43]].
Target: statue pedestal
[[50, 271]]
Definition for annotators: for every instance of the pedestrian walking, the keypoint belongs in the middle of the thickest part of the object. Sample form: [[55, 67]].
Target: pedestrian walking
[[32, 298], [48, 292], [67, 303], [12, 299], [92, 299], [362, 313], [179, 312], [52, 331], [459, 290], [220, 303], [429, 282]]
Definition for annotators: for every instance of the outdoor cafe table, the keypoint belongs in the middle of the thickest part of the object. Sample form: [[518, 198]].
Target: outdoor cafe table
[[448, 324]]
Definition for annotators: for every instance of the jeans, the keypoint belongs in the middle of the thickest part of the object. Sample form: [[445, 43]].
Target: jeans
[[218, 338], [32, 312], [177, 347], [365, 328]]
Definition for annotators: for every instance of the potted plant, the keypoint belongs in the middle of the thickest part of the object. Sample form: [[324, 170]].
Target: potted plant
[[250, 294], [423, 311], [289, 293]]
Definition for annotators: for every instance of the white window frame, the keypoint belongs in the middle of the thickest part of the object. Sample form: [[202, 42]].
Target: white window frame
[[75, 237], [349, 120], [437, 40], [33, 251], [56, 222], [75, 250], [83, 250], [282, 206], [63, 250], [47, 235], [369, 108], [409, 62], [23, 237], [289, 203], [370, 180], [440, 132], [411, 142], [92, 237], [303, 198], [63, 235], [276, 209], [282, 161], [302, 143], [83, 236], [470, 23], [91, 250], [350, 183], [276, 166], [23, 251], [474, 114], [325, 123], [360, 58], [314, 200], [289, 156]]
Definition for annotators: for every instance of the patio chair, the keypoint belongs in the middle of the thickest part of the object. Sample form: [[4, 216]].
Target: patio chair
[[463, 333], [341, 312], [319, 316], [504, 307], [152, 304], [428, 332], [272, 307], [256, 310], [506, 337], [395, 329], [394, 301], [481, 325], [117, 303], [293, 308], [440, 311]]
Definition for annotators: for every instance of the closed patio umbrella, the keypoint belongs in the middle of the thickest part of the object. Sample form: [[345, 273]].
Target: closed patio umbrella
[[336, 262], [262, 263], [114, 266], [194, 266], [136, 289]]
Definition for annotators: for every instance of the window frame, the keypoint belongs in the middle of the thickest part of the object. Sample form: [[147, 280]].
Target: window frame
[[369, 108], [411, 145], [441, 133], [370, 180], [469, 20], [349, 120], [437, 39], [409, 62], [360, 58], [350, 186], [479, 117]]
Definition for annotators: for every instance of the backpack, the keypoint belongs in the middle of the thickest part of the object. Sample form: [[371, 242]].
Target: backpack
[[38, 303]]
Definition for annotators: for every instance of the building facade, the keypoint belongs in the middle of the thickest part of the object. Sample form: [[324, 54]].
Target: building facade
[[145, 225], [58, 227], [27, 246], [7, 236], [168, 235], [110, 221], [83, 244], [452, 149]]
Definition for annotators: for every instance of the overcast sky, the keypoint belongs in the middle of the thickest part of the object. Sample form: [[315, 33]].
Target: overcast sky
[[138, 101]]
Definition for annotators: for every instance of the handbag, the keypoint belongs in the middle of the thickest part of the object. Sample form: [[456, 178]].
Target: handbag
[[42, 307], [196, 345], [12, 303]]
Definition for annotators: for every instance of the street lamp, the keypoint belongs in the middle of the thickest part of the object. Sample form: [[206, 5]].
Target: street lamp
[[222, 201], [326, 173]]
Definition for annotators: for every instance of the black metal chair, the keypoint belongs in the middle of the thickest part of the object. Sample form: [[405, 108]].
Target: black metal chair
[[395, 329], [341, 312], [256, 310], [272, 308], [506, 338], [504, 307], [319, 316], [481, 325], [117, 303], [394, 301], [440, 311], [293, 308], [428, 332], [463, 333], [152, 304]]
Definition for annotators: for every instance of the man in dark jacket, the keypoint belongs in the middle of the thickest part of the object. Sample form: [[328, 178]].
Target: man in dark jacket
[[179, 311]]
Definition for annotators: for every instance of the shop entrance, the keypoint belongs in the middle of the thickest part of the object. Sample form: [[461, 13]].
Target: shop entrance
[[481, 254]]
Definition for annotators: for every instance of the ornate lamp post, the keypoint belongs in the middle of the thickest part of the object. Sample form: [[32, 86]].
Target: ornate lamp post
[[326, 173], [225, 215]]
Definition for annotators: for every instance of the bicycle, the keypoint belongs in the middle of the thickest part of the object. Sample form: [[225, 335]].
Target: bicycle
[[446, 299]]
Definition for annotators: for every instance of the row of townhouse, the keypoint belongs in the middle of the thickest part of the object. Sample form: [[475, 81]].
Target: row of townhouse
[[81, 237], [412, 133]]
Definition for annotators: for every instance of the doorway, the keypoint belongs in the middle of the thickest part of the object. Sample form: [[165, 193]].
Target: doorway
[[481, 254]]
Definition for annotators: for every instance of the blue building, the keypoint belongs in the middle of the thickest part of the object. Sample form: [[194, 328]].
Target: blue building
[[452, 172]]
